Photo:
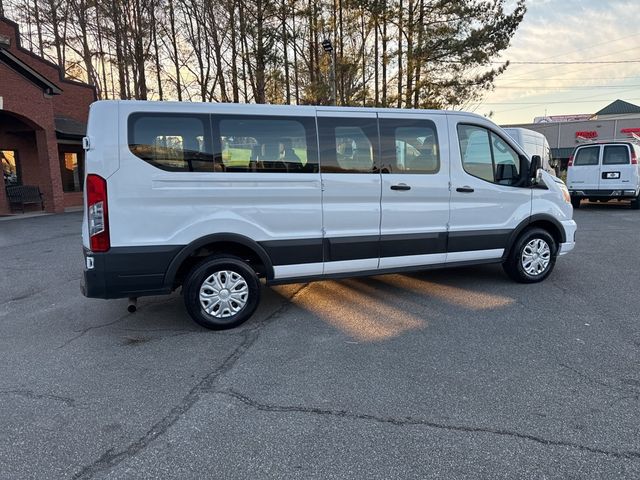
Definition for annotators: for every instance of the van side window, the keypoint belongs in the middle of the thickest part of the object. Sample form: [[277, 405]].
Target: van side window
[[409, 146], [487, 156], [506, 161], [475, 149], [266, 144], [615, 155], [587, 156], [348, 145], [172, 142]]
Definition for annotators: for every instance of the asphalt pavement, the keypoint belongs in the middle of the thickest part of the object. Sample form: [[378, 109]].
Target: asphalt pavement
[[442, 374]]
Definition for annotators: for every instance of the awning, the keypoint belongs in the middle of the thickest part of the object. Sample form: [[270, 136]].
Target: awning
[[68, 128]]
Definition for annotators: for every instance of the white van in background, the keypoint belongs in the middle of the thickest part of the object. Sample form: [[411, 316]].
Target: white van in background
[[214, 197], [533, 143], [605, 171]]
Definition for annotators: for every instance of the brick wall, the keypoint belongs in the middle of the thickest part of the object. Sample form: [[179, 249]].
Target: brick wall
[[23, 100]]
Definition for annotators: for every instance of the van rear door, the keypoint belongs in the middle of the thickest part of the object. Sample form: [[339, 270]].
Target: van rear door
[[584, 174], [616, 171]]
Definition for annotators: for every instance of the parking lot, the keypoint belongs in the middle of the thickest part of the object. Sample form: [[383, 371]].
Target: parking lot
[[441, 374]]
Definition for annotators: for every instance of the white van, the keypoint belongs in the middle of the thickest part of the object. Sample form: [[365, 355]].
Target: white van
[[214, 197], [533, 143], [605, 171]]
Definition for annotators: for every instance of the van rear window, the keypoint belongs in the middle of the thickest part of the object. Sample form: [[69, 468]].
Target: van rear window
[[587, 156], [174, 142], [615, 155]]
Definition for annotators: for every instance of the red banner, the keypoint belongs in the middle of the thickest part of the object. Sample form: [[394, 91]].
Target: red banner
[[590, 134]]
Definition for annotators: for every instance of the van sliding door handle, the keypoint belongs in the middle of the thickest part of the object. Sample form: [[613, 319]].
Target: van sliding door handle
[[464, 189], [400, 186]]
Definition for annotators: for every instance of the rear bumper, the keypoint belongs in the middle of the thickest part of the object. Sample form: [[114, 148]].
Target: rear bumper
[[127, 271], [616, 193]]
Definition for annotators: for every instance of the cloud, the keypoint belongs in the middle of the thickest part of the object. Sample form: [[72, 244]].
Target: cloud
[[556, 30]]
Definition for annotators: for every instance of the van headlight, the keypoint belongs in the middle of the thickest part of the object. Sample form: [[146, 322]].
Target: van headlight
[[565, 193]]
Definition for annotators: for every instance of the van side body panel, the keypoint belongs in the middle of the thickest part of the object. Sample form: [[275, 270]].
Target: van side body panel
[[299, 225]]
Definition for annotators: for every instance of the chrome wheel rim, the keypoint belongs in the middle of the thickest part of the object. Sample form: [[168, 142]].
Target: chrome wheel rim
[[223, 294], [536, 256]]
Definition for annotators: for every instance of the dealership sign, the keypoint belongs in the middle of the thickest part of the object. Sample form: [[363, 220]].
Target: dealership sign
[[587, 134], [631, 131]]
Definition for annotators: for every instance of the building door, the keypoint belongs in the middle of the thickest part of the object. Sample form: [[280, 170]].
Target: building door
[[72, 169]]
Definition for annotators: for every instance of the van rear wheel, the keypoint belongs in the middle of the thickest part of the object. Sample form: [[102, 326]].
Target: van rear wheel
[[575, 201], [532, 256], [221, 292], [635, 203]]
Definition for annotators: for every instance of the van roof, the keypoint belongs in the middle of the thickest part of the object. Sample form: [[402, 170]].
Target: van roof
[[630, 144], [612, 142], [308, 108]]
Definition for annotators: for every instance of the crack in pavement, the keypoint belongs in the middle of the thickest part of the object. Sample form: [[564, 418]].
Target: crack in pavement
[[408, 421], [111, 458], [94, 327], [589, 379], [30, 394]]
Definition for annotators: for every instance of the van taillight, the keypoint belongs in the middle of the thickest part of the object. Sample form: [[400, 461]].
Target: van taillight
[[570, 161], [98, 216], [634, 158]]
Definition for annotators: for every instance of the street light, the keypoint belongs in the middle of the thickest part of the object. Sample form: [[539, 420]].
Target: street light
[[328, 48]]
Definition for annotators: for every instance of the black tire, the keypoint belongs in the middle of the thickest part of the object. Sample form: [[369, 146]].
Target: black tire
[[635, 203], [575, 201], [514, 266], [226, 269]]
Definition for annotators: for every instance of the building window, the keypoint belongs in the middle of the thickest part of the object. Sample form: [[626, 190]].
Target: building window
[[71, 171], [10, 167]]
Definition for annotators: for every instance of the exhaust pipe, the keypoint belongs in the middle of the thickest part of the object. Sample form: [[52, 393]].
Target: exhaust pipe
[[133, 304]]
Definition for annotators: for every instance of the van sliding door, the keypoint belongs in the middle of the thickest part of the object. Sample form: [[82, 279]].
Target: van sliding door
[[415, 189]]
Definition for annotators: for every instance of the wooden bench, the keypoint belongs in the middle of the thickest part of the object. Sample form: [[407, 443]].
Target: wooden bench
[[21, 195]]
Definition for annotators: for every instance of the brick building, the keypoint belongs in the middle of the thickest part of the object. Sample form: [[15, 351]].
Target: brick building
[[43, 118]]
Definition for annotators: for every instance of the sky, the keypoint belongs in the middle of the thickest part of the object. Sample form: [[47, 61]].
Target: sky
[[568, 31]]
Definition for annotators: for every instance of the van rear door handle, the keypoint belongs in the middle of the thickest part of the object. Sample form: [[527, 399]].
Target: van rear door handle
[[400, 186], [464, 189]]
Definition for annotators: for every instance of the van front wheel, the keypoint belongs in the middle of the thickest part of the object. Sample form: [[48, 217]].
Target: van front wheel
[[221, 292], [532, 257]]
